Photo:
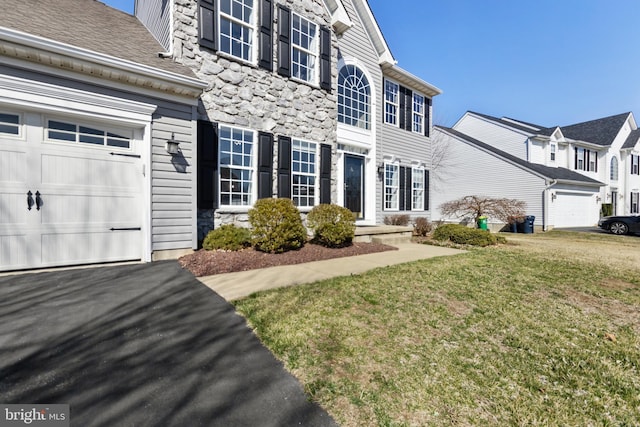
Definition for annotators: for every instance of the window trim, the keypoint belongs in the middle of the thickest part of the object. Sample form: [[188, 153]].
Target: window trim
[[315, 52], [391, 103], [368, 104], [552, 152], [420, 114], [19, 125], [614, 167], [220, 15], [634, 203], [121, 134], [396, 168], [253, 168], [315, 174], [417, 172], [635, 164]]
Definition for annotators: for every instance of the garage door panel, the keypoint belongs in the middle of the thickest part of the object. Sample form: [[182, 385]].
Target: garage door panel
[[14, 252], [86, 247], [575, 210], [13, 166], [13, 208], [89, 209], [88, 172]]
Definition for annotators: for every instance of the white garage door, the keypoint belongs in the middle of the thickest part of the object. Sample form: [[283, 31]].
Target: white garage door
[[575, 210], [70, 192]]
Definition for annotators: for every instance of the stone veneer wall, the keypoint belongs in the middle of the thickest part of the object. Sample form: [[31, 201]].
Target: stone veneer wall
[[247, 96]]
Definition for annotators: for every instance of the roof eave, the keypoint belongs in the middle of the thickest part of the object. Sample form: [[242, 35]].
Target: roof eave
[[46, 51], [403, 76]]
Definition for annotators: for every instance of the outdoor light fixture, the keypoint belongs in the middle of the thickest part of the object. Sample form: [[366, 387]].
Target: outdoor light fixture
[[553, 196], [381, 170], [598, 198], [172, 146]]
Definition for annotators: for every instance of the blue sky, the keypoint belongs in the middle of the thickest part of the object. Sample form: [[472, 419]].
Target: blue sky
[[550, 62]]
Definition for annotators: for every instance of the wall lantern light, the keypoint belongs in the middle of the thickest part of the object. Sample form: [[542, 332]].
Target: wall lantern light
[[172, 146], [381, 170]]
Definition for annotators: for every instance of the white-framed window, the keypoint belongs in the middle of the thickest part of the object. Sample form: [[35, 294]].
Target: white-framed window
[[592, 158], [237, 23], [418, 113], [62, 131], [417, 189], [553, 152], [635, 206], [304, 49], [10, 124], [580, 159], [237, 166], [635, 165], [354, 97], [391, 104], [304, 159], [391, 186], [613, 173]]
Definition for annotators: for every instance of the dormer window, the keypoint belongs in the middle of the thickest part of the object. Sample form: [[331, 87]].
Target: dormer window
[[553, 152]]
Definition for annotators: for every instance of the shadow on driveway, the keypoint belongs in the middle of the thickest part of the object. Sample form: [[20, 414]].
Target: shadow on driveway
[[140, 345]]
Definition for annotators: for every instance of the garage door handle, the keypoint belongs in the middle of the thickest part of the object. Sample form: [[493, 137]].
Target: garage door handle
[[38, 200], [30, 201]]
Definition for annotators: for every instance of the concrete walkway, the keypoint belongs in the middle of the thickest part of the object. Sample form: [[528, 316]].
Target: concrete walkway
[[233, 286]]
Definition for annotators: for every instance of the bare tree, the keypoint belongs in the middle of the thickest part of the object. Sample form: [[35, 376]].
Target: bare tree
[[442, 160], [506, 210]]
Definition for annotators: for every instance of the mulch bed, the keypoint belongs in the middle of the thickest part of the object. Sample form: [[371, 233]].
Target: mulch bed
[[206, 263]]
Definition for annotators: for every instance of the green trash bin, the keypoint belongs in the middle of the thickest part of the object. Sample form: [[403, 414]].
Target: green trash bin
[[482, 223]]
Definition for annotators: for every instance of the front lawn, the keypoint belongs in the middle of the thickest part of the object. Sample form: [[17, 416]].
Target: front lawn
[[522, 334]]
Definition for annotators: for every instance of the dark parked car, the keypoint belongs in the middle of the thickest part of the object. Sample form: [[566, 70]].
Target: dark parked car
[[620, 224]]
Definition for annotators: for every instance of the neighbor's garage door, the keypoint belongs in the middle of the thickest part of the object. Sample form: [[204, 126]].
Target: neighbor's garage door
[[575, 210], [70, 192]]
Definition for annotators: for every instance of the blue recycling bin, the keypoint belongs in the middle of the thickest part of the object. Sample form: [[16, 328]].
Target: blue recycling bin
[[527, 225]]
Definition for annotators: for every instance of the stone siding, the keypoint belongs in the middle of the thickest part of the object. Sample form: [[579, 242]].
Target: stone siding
[[247, 96]]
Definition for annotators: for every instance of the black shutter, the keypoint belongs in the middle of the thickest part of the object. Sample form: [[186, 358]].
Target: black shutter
[[284, 41], [595, 161], [575, 160], [402, 205], [402, 118], [284, 167], [325, 173], [408, 189], [426, 190], [207, 165], [265, 165], [325, 58], [427, 117], [207, 36], [265, 36]]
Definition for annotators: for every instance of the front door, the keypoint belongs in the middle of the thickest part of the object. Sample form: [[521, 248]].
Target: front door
[[354, 184], [614, 202]]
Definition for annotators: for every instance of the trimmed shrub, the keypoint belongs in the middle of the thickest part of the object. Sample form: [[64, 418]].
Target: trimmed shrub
[[276, 226], [228, 237], [607, 209], [396, 220], [333, 226], [422, 226], [463, 235]]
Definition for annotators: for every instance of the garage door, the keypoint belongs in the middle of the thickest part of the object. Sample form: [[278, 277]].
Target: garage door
[[575, 210], [70, 192]]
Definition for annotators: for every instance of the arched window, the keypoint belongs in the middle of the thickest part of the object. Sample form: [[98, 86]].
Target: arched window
[[354, 97], [614, 169]]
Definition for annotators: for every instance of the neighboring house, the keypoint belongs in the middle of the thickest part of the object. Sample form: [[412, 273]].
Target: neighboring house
[[474, 167], [86, 109], [304, 102], [604, 150]]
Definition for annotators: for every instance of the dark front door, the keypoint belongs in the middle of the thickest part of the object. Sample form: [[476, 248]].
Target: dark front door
[[354, 184], [614, 202]]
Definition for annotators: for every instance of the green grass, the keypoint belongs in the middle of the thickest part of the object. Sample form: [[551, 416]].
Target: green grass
[[496, 336]]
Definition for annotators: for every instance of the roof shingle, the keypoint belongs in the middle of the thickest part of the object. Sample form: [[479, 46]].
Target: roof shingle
[[91, 25]]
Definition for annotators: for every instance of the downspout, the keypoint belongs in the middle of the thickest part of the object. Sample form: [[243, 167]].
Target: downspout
[[547, 201]]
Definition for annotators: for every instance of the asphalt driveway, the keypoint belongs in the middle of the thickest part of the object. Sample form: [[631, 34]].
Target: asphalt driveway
[[140, 345]]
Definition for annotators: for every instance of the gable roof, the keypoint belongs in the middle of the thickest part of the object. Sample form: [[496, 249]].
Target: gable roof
[[600, 131], [632, 139], [89, 25], [560, 174]]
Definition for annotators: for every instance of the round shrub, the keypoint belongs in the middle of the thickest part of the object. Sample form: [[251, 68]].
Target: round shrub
[[463, 235], [276, 226], [228, 237], [333, 226]]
